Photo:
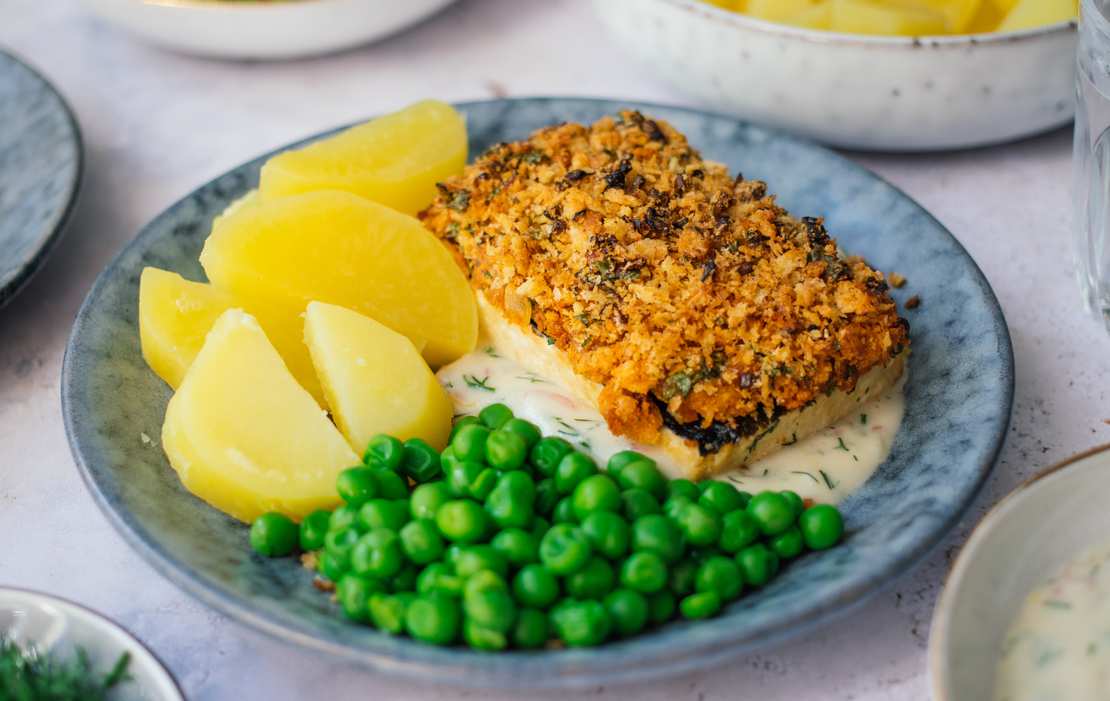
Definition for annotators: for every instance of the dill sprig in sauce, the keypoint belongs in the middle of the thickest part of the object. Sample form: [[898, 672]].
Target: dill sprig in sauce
[[29, 676]]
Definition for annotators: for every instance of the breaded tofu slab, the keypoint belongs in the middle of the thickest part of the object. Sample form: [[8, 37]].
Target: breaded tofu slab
[[695, 313]]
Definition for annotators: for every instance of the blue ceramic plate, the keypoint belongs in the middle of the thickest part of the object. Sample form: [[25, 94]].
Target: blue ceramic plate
[[40, 168], [958, 404]]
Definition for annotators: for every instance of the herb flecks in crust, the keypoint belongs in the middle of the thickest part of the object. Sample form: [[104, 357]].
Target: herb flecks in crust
[[689, 295]]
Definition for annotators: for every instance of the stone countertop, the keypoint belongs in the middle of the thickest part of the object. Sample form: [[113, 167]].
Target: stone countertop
[[157, 124]]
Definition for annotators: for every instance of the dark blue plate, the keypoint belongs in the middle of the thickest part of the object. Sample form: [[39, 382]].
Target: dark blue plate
[[40, 169], [958, 399]]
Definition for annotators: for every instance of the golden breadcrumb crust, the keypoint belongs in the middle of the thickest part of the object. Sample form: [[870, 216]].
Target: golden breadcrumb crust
[[690, 296]]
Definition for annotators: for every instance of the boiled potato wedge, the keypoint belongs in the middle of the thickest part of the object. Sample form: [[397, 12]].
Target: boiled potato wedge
[[244, 436], [778, 10], [1028, 14], [875, 17], [175, 315], [278, 255], [374, 379], [395, 160]]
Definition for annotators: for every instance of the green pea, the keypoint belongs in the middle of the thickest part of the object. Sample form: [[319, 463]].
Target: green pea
[[638, 502], [546, 455], [340, 543], [470, 443], [494, 416], [481, 638], [644, 572], [353, 594], [582, 623], [420, 461], [427, 498], [643, 474], [461, 475], [609, 534], [274, 535], [484, 484], [546, 496], [675, 505], [699, 524], [472, 559], [796, 504], [433, 619], [459, 423], [593, 581], [722, 497], [342, 518], [595, 493], [383, 513], [517, 545], [448, 459], [628, 610], [377, 554], [683, 488], [390, 484], [331, 566], [822, 526], [429, 578], [657, 533], [564, 511], [661, 607], [683, 579], [758, 564], [565, 549], [704, 604], [356, 485], [738, 531], [788, 544], [721, 575], [540, 525], [534, 585], [313, 529], [462, 521], [525, 429], [772, 513], [421, 541], [506, 450], [490, 608], [530, 631], [387, 612], [385, 451], [404, 582], [572, 469], [618, 460], [510, 503]]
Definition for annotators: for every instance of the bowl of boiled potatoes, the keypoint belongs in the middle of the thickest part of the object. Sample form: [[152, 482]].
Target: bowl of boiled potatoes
[[884, 75]]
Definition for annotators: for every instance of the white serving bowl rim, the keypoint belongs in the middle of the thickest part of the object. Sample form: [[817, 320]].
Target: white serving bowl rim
[[743, 21]]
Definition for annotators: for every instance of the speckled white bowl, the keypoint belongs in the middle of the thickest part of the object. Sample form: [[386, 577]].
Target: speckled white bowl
[[1029, 535], [876, 93], [261, 29]]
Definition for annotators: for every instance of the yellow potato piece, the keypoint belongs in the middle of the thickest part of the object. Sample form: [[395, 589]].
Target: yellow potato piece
[[244, 436], [395, 160], [778, 10], [958, 14], [1028, 14], [987, 19], [278, 255], [175, 315], [374, 379], [874, 17], [815, 17]]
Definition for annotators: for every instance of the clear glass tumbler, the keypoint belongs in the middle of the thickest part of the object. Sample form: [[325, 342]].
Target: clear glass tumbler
[[1092, 157]]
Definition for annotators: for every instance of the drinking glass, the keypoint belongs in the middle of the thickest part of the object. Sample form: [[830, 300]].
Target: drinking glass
[[1092, 157]]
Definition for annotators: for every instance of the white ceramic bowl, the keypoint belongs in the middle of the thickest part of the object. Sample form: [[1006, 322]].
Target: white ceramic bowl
[[58, 627], [879, 93], [1026, 537], [263, 29]]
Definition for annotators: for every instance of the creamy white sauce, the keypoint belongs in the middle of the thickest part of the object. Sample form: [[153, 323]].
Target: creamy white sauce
[[1058, 646], [826, 467]]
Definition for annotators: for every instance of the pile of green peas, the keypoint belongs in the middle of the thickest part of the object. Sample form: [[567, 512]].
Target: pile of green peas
[[508, 539]]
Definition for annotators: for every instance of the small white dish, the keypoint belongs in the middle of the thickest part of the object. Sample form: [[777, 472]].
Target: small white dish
[[1026, 537], [867, 92], [57, 627], [263, 29]]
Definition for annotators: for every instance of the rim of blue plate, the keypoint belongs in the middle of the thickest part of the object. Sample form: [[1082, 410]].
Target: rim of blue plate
[[107, 623], [462, 667], [61, 219]]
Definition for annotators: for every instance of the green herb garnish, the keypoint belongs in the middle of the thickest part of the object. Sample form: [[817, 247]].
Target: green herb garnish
[[28, 675], [802, 472], [474, 383], [828, 481]]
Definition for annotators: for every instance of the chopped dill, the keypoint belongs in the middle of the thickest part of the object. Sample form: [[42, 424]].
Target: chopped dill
[[530, 377], [828, 480], [840, 444], [29, 675], [863, 419], [473, 382], [1057, 604], [802, 472], [491, 352]]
